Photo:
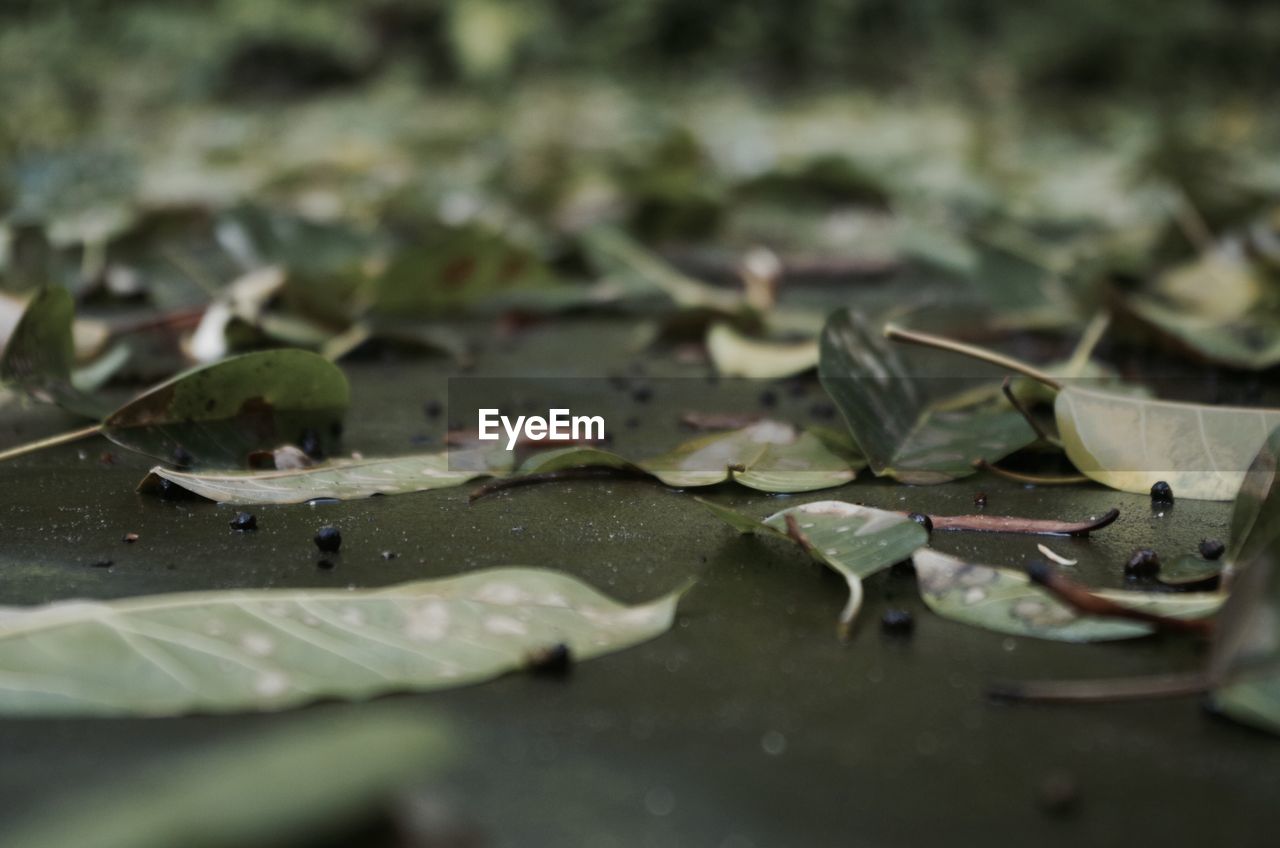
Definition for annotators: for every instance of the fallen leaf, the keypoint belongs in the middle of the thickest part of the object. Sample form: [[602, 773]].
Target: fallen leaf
[[308, 778], [270, 649], [218, 414], [1006, 601], [902, 431], [735, 355], [1130, 443], [769, 456], [855, 541], [343, 479]]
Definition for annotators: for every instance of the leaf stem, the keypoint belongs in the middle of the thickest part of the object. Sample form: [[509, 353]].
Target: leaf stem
[[1100, 691], [1086, 602], [1032, 479], [898, 334], [1029, 526], [1007, 388], [51, 441]]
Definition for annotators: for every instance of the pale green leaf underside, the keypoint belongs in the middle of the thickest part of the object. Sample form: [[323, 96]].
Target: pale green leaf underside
[[272, 649], [1006, 601], [767, 456], [343, 479], [1130, 443], [735, 355]]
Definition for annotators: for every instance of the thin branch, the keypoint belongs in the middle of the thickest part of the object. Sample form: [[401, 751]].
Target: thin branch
[[898, 334], [588, 473], [1032, 479], [51, 441], [1089, 340], [1007, 388], [1029, 526], [1087, 603], [797, 535], [1100, 690]]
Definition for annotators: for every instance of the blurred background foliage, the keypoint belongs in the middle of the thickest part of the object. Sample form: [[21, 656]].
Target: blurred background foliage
[[164, 147]]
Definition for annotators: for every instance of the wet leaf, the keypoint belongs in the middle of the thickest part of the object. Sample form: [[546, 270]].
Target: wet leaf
[[342, 479], [218, 414], [272, 649], [1006, 601], [855, 541], [903, 432], [769, 456], [311, 777], [1130, 443], [736, 355]]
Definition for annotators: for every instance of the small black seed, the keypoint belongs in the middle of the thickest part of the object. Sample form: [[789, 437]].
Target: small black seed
[[980, 500], [1143, 563], [643, 394], [553, 661], [768, 399], [309, 443], [182, 457], [244, 521], [897, 621], [326, 564], [328, 539], [1211, 548], [389, 554], [101, 563], [923, 520], [1058, 794], [433, 408], [1161, 493]]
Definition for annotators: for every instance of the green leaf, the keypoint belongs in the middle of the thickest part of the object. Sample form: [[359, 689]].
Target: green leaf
[[40, 354], [1244, 664], [1217, 307], [768, 456], [343, 479], [457, 268], [304, 780], [220, 413], [270, 649], [1130, 443], [735, 355], [1255, 516], [1006, 601], [855, 541], [904, 433]]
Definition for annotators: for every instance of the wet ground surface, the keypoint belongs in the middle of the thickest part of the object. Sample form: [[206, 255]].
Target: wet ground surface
[[749, 724]]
